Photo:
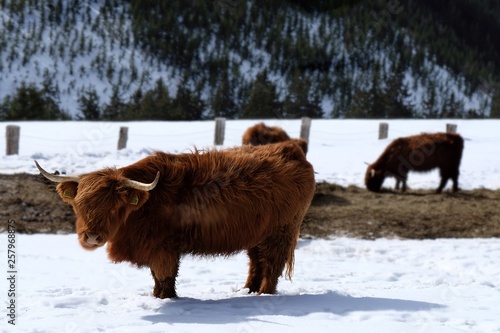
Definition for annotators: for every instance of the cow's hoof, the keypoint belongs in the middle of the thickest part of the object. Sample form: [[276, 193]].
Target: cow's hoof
[[164, 294]]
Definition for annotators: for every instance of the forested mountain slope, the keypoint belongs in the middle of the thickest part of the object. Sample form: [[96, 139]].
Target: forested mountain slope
[[110, 59]]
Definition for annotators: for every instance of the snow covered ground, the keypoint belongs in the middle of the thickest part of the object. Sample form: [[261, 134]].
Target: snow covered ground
[[339, 284]]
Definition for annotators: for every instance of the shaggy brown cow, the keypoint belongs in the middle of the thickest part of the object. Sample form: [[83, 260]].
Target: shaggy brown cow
[[261, 134], [419, 153], [202, 203]]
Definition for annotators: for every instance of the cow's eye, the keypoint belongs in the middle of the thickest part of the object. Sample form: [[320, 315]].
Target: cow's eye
[[135, 200], [69, 193]]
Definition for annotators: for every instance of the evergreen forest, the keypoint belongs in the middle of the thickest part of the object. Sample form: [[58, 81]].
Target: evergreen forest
[[195, 60]]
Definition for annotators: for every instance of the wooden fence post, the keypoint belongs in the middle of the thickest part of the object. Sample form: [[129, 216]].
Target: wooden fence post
[[12, 136], [220, 129], [451, 128], [305, 128], [122, 139], [383, 131]]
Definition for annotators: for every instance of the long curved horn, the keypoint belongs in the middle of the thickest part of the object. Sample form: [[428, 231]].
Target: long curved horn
[[143, 186], [57, 178]]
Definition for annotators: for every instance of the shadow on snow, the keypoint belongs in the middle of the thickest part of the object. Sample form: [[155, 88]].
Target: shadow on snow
[[245, 308]]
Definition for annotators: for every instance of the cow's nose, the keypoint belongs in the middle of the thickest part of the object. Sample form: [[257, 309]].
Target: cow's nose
[[92, 239]]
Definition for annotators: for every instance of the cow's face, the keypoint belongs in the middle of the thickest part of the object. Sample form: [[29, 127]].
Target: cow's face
[[102, 202], [374, 179]]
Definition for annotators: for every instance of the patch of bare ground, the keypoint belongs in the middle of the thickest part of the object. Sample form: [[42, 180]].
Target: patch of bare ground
[[31, 201], [417, 214]]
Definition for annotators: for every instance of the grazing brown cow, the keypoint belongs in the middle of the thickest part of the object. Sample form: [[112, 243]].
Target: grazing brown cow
[[261, 134], [419, 153], [202, 203]]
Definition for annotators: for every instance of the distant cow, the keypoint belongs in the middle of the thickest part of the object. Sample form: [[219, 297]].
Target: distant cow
[[204, 203], [419, 153], [261, 134]]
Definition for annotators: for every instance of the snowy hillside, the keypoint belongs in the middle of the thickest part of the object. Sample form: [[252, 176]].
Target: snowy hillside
[[81, 46], [85, 47]]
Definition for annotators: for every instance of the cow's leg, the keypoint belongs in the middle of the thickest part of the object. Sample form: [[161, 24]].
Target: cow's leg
[[403, 181], [164, 270], [254, 279], [273, 264], [276, 252], [401, 178], [445, 175], [442, 184], [399, 181], [454, 178]]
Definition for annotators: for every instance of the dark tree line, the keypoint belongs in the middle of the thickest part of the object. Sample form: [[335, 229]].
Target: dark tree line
[[32, 103], [261, 101]]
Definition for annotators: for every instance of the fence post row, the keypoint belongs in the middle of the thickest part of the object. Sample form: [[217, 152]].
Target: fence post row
[[12, 136], [123, 137], [383, 130]]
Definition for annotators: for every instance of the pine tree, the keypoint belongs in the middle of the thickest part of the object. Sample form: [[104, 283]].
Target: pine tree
[[429, 104], [301, 101], [376, 96], [396, 96], [369, 103], [156, 103], [263, 100], [223, 104], [116, 108], [452, 108], [89, 105], [134, 110], [495, 104], [4, 108], [187, 105], [360, 105], [50, 89]]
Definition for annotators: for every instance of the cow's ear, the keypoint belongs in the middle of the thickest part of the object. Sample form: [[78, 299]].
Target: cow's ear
[[67, 191], [137, 198]]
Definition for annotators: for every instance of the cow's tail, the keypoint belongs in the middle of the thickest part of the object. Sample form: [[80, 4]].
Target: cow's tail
[[290, 262]]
